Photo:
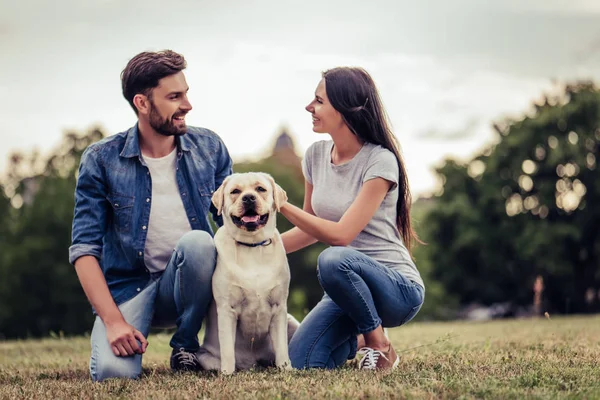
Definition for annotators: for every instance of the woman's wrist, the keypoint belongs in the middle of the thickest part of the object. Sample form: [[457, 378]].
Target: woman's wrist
[[284, 207]]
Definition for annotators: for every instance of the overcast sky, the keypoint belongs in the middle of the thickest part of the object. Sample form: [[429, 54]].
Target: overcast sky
[[446, 69]]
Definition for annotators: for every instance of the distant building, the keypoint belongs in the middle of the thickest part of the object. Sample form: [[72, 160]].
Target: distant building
[[280, 153], [284, 150], [283, 142]]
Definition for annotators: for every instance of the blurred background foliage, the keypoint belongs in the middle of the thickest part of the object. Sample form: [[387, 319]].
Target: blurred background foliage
[[524, 210]]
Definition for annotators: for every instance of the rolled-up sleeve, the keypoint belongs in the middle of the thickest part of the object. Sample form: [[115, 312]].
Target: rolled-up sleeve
[[89, 219]]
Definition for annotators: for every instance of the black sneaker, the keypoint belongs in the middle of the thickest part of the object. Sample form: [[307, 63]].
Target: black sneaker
[[183, 360]]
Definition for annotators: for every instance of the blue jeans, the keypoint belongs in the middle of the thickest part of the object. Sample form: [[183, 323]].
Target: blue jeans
[[178, 296], [360, 295]]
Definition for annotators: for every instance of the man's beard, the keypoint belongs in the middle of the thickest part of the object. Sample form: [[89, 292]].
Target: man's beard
[[165, 127]]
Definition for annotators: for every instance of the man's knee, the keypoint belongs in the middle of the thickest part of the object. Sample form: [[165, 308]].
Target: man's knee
[[196, 243], [198, 249], [116, 367]]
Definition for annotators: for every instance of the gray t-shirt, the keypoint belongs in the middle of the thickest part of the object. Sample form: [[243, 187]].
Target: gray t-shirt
[[335, 187]]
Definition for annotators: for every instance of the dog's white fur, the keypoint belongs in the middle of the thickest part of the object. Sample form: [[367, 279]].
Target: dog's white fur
[[247, 324]]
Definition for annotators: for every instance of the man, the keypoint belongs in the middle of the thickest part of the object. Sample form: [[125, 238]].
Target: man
[[142, 244]]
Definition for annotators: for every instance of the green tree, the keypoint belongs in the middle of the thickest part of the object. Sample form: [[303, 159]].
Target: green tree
[[527, 206], [438, 304], [40, 292]]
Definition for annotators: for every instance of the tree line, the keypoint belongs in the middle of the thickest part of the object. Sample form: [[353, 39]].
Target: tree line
[[522, 216]]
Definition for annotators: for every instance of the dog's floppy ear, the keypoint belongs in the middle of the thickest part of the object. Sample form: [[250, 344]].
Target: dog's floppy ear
[[218, 197], [279, 195]]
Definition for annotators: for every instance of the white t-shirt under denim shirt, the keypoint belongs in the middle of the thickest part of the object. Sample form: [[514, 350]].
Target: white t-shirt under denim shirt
[[335, 187], [168, 220]]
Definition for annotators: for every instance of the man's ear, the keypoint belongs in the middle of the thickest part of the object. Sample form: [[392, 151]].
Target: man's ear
[[279, 195], [141, 103], [218, 197]]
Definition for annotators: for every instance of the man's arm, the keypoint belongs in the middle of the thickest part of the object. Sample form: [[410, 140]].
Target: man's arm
[[224, 169], [89, 227], [121, 336]]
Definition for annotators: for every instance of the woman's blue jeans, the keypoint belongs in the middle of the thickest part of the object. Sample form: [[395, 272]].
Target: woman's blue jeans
[[360, 295]]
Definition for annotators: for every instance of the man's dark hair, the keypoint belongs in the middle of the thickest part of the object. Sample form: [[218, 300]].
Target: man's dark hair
[[142, 72]]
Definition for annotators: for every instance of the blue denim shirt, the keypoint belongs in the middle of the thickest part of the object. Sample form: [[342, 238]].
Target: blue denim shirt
[[114, 195]]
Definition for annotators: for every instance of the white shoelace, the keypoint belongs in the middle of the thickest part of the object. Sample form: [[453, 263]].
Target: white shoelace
[[370, 357], [185, 357]]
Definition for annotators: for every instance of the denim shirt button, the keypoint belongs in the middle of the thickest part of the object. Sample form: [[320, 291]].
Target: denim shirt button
[[138, 289], [148, 200], [193, 218], [140, 253], [144, 227]]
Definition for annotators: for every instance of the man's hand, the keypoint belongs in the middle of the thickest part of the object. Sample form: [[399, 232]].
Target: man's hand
[[123, 338]]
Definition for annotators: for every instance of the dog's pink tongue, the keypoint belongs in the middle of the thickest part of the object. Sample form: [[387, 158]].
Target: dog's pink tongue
[[246, 218]]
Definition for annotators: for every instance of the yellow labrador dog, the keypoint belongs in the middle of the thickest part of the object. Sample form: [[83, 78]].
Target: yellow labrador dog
[[247, 323]]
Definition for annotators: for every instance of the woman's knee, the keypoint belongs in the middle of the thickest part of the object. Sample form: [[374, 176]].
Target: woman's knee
[[307, 356], [297, 354], [302, 356], [330, 263], [319, 341]]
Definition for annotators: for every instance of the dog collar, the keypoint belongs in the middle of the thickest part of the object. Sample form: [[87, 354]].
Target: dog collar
[[263, 243]]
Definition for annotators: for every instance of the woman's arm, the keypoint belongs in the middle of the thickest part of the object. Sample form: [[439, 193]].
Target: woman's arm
[[353, 221], [295, 239]]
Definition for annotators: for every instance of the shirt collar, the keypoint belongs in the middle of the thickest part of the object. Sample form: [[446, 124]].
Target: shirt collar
[[132, 143]]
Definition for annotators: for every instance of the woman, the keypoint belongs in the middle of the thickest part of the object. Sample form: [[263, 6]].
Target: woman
[[356, 200]]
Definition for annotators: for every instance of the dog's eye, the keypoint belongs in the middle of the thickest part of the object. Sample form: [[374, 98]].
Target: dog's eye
[[261, 189], [236, 191]]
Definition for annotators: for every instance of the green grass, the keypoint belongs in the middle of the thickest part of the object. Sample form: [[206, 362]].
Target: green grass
[[531, 358]]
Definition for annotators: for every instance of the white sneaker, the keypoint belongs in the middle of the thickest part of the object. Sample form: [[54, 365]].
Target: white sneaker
[[377, 359]]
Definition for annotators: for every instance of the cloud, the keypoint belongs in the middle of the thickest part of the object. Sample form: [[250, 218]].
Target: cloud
[[5, 29], [471, 128], [589, 51], [559, 7], [444, 72]]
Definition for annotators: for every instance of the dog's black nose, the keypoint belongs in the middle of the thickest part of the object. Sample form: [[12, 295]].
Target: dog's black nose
[[248, 199]]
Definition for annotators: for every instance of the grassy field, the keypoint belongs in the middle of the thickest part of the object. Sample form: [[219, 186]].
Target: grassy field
[[532, 358]]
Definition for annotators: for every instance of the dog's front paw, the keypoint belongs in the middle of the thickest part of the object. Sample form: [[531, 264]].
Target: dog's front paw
[[285, 366], [227, 368]]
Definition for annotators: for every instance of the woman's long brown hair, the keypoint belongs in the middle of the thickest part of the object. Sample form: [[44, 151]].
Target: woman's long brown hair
[[352, 92]]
